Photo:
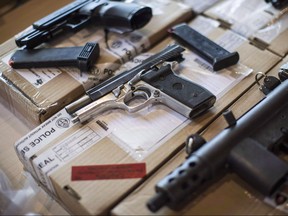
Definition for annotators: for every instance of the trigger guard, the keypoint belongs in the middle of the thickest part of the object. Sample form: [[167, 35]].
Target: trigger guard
[[140, 92]]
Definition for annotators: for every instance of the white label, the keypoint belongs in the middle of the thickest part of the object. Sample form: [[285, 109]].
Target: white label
[[42, 135], [60, 154]]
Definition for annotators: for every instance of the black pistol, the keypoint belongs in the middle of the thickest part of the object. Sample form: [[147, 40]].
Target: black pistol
[[114, 16]]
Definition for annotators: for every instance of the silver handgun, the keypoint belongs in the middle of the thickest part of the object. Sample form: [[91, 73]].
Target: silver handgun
[[159, 84]]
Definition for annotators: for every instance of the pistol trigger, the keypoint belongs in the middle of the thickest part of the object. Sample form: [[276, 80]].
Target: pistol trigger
[[116, 92]]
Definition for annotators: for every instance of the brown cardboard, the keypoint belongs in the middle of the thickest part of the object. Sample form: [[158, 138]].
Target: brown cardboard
[[63, 89], [99, 197], [228, 196]]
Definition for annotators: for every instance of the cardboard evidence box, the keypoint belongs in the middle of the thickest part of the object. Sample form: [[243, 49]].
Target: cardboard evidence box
[[257, 20], [89, 168], [42, 92], [229, 195]]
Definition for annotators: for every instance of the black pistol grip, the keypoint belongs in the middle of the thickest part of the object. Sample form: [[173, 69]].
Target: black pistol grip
[[188, 93], [216, 55]]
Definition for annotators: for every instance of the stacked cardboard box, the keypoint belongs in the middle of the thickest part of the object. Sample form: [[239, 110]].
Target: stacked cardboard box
[[91, 167]]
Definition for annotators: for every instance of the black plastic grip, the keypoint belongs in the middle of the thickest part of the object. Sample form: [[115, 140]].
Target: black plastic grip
[[216, 55], [183, 90]]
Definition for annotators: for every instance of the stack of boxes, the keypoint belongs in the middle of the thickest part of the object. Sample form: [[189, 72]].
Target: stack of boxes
[[133, 151]]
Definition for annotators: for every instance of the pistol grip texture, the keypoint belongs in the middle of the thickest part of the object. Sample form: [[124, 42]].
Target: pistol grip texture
[[192, 95]]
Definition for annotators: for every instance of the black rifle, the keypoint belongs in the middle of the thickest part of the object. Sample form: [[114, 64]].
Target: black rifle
[[248, 147], [115, 16]]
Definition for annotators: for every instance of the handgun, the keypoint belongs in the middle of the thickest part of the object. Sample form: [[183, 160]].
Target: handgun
[[114, 16], [250, 147], [170, 53], [157, 84]]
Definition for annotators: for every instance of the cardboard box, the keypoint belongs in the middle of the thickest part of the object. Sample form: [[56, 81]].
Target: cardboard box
[[229, 195], [48, 90], [120, 141], [264, 25]]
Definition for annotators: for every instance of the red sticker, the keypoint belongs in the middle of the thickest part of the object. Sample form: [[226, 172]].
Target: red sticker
[[114, 171]]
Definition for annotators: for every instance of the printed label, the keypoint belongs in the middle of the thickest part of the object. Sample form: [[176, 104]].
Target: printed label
[[41, 136], [61, 153], [111, 171]]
